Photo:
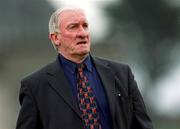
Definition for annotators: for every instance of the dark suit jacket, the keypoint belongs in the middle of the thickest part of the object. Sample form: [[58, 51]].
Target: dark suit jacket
[[47, 101]]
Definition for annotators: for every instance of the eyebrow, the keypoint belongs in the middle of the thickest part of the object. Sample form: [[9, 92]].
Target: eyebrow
[[76, 23]]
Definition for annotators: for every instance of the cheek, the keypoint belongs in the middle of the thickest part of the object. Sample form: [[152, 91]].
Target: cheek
[[69, 39], [66, 39], [68, 43], [69, 35]]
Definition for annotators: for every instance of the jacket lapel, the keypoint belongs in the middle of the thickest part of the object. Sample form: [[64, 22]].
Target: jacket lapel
[[108, 80], [60, 84]]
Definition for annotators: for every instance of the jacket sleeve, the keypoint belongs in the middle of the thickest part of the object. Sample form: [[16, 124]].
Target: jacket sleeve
[[141, 119], [28, 116]]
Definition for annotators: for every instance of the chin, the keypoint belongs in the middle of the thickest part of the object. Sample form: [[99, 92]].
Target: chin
[[83, 53]]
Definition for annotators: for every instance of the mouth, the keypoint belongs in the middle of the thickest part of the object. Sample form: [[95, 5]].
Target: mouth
[[81, 42]]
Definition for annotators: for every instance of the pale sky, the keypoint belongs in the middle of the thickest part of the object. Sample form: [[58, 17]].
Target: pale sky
[[165, 97]]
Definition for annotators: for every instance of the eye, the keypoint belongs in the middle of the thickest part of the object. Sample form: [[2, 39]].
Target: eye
[[72, 26], [85, 25]]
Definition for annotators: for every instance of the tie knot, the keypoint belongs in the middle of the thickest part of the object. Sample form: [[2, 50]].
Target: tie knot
[[80, 67]]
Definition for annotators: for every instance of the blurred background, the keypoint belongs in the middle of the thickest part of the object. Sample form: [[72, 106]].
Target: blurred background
[[142, 33]]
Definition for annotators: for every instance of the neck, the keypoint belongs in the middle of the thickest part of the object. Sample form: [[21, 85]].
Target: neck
[[76, 58]]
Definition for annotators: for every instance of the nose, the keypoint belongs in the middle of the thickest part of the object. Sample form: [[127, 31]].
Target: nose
[[82, 32]]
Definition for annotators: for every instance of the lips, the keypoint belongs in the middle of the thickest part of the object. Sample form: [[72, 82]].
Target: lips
[[81, 42]]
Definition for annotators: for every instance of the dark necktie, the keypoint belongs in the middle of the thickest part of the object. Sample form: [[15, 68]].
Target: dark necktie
[[87, 102]]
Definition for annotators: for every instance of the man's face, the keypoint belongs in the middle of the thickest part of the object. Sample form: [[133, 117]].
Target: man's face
[[74, 37]]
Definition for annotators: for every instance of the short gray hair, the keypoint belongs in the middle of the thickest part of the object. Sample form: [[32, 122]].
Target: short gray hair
[[54, 22]]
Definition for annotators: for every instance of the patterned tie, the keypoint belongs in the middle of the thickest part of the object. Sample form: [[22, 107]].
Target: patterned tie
[[87, 102]]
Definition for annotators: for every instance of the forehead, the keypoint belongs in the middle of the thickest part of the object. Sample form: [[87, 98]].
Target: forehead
[[69, 16]]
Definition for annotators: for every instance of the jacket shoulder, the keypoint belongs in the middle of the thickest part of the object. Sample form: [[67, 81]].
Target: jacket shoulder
[[112, 63], [121, 71], [38, 74]]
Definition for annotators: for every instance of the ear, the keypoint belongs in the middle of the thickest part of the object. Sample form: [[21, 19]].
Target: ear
[[54, 38]]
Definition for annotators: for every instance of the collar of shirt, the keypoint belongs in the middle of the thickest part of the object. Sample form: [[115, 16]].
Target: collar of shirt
[[71, 66]]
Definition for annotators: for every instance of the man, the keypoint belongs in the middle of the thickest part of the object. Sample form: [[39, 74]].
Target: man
[[78, 91]]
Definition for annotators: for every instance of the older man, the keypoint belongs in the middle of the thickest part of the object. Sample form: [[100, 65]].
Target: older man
[[78, 91]]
